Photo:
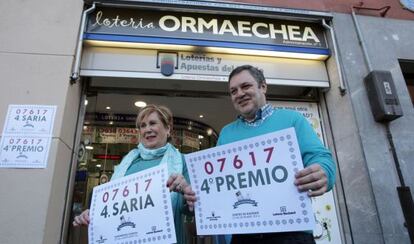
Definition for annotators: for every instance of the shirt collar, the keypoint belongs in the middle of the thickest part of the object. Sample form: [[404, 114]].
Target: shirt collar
[[261, 114]]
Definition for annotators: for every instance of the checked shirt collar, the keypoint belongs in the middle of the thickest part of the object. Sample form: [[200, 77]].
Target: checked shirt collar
[[261, 115]]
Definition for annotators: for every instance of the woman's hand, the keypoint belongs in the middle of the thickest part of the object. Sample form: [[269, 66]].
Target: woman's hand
[[82, 219], [177, 183]]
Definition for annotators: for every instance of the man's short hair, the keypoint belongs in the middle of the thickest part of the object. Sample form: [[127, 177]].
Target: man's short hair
[[255, 72]]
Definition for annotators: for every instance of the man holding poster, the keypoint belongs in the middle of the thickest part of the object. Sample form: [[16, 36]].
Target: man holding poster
[[247, 87]]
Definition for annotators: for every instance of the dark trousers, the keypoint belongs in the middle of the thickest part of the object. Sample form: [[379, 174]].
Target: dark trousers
[[274, 238]]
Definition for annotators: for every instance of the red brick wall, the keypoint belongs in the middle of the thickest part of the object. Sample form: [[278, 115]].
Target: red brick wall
[[343, 6]]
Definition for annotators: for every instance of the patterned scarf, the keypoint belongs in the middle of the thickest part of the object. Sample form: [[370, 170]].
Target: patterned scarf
[[170, 156]]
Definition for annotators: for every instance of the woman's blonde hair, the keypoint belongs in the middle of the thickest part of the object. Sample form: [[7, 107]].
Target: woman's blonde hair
[[164, 114]]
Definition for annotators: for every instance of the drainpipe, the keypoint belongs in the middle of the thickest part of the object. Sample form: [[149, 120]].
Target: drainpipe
[[75, 69], [341, 87], [361, 41]]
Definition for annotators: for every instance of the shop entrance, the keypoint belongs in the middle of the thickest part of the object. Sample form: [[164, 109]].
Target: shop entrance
[[109, 131], [200, 109]]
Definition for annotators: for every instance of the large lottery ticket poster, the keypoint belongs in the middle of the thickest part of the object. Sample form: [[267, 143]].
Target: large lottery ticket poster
[[133, 209], [247, 186], [327, 228]]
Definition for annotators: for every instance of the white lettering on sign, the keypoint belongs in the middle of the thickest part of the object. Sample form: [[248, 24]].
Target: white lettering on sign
[[171, 23], [202, 25], [117, 22]]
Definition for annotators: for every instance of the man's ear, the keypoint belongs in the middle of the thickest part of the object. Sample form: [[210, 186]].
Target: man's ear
[[264, 87]]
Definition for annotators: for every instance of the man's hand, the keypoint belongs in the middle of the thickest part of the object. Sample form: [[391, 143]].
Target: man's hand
[[312, 179]]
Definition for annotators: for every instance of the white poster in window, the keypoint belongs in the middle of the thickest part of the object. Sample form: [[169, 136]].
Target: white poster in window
[[234, 182], [133, 209], [106, 135], [127, 135], [327, 229]]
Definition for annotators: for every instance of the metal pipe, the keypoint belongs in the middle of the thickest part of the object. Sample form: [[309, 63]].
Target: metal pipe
[[361, 40], [75, 69], [341, 87]]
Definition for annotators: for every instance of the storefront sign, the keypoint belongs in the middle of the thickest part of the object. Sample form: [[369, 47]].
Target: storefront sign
[[198, 66], [26, 137], [241, 176], [191, 26], [111, 117], [134, 209]]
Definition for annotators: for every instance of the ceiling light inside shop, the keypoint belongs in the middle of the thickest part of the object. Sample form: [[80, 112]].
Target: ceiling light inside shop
[[200, 136], [86, 102], [111, 122], [209, 131], [140, 104], [89, 147], [201, 116], [98, 165], [108, 108]]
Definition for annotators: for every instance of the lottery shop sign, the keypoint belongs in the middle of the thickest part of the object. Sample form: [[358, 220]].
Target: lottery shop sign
[[247, 186], [133, 209]]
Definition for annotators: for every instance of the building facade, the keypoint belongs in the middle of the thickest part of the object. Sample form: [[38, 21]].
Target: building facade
[[63, 53]]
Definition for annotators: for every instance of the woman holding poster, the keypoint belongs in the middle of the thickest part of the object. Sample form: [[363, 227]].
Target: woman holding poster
[[155, 126]]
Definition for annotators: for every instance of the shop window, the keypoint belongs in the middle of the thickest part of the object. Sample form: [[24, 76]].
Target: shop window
[[407, 68]]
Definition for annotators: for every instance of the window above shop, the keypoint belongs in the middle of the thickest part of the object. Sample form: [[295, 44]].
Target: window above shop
[[407, 68]]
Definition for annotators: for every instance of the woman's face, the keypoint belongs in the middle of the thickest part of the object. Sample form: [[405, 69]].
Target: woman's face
[[153, 133]]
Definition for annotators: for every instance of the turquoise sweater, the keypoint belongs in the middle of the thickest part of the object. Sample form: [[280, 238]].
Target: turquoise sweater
[[310, 146]]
